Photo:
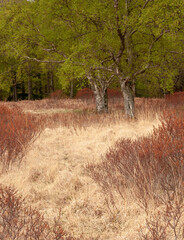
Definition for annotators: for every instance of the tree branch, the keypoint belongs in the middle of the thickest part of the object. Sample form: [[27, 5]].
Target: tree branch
[[43, 61], [103, 68], [143, 70], [175, 52], [119, 32], [156, 40], [145, 4], [53, 49]]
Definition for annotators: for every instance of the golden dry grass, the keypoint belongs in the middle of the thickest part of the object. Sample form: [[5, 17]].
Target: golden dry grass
[[53, 176]]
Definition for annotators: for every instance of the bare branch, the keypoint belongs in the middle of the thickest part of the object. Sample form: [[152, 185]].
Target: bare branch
[[134, 31], [176, 52], [143, 70], [103, 68], [156, 40], [43, 61], [108, 59], [110, 79], [53, 49], [120, 34], [145, 4]]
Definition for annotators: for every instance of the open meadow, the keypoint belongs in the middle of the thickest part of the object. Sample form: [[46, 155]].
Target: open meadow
[[92, 176], [91, 120]]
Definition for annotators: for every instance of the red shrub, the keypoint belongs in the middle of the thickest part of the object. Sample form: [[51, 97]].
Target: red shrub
[[150, 163], [17, 131], [175, 99], [114, 96], [149, 108], [152, 169], [56, 94], [85, 94], [18, 222], [114, 93]]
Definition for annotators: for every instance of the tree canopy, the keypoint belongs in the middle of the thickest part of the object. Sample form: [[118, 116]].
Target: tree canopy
[[136, 42]]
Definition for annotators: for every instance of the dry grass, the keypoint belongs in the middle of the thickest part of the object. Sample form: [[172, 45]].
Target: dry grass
[[51, 104], [52, 175]]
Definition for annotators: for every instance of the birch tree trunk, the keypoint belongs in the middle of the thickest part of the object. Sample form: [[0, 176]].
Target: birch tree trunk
[[101, 101], [100, 93], [128, 96]]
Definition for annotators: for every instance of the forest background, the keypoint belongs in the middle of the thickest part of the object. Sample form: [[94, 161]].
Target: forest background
[[135, 46]]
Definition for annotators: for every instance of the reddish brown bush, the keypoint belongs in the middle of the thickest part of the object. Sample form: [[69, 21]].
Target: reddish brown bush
[[155, 229], [148, 108], [176, 99], [166, 222], [17, 131], [115, 99], [153, 168], [57, 94], [114, 93], [19, 222], [150, 163], [85, 94]]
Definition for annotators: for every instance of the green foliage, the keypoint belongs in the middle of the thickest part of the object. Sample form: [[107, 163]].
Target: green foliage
[[66, 74], [85, 36]]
